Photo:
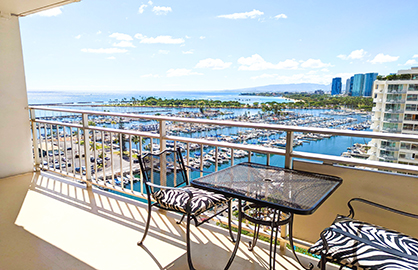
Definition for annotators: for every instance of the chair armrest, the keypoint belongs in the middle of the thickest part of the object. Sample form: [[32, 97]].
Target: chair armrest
[[188, 192], [351, 213]]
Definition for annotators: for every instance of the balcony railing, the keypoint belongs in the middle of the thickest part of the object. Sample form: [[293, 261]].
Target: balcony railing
[[392, 120], [396, 111], [388, 158], [395, 101], [392, 130], [389, 148], [102, 144], [96, 158], [401, 91]]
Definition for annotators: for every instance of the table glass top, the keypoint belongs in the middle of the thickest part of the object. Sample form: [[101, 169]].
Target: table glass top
[[288, 189]]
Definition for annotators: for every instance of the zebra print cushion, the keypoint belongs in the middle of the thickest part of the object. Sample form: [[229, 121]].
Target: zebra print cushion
[[176, 199], [356, 243]]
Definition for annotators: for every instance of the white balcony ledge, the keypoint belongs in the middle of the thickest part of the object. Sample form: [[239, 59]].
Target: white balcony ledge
[[51, 223]]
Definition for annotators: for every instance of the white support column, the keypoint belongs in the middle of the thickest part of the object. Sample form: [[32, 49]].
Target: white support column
[[86, 132], [163, 133], [15, 134], [163, 161]]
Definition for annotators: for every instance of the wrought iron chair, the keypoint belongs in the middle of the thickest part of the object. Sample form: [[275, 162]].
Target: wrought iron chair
[[167, 187]]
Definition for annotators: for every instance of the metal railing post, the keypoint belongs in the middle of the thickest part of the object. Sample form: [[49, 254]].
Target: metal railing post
[[86, 132], [35, 139], [163, 164], [288, 162]]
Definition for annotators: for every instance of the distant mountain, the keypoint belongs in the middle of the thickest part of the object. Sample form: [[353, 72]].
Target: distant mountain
[[296, 87]]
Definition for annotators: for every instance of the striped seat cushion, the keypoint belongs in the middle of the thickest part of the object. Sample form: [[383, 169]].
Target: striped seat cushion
[[357, 243], [176, 199]]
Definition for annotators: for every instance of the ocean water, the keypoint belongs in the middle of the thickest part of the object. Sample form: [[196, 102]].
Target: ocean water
[[47, 97]]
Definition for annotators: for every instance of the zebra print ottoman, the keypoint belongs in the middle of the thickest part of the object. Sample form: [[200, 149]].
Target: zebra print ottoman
[[359, 244]]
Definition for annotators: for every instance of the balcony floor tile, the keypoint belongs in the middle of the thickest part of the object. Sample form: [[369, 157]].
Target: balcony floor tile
[[51, 223]]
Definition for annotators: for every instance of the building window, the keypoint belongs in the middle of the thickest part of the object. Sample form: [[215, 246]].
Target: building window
[[411, 107], [413, 87], [405, 146], [395, 87], [408, 126], [412, 97]]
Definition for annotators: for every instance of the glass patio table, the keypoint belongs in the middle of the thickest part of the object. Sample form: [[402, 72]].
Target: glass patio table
[[272, 196]]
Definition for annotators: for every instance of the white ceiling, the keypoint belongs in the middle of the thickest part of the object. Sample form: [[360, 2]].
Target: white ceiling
[[26, 7]]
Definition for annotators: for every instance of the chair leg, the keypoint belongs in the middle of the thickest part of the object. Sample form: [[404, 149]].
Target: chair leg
[[147, 225], [189, 255], [229, 221], [181, 220], [323, 261]]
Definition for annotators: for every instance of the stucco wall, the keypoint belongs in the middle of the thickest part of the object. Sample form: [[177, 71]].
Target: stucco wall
[[15, 145], [393, 190]]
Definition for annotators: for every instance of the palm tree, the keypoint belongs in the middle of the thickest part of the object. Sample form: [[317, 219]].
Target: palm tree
[[136, 139]]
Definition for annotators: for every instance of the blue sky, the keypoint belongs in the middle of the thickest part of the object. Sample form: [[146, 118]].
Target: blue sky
[[109, 45]]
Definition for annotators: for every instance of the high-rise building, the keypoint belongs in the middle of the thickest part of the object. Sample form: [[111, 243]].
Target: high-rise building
[[347, 86], [358, 85], [369, 78], [336, 86], [396, 111]]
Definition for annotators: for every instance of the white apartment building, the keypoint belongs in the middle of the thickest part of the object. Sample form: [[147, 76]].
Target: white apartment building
[[396, 111]]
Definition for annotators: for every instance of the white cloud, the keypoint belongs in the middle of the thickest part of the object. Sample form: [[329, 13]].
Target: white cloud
[[415, 56], [98, 32], [263, 76], [124, 44], [325, 70], [409, 63], [298, 78], [159, 39], [356, 54], [213, 64], [245, 15], [50, 12], [150, 3], [280, 16], [163, 52], [161, 10], [188, 52], [78, 37], [111, 58], [141, 9], [187, 37], [256, 62], [120, 36], [150, 76], [314, 63], [101, 50], [202, 37], [181, 72], [382, 58]]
